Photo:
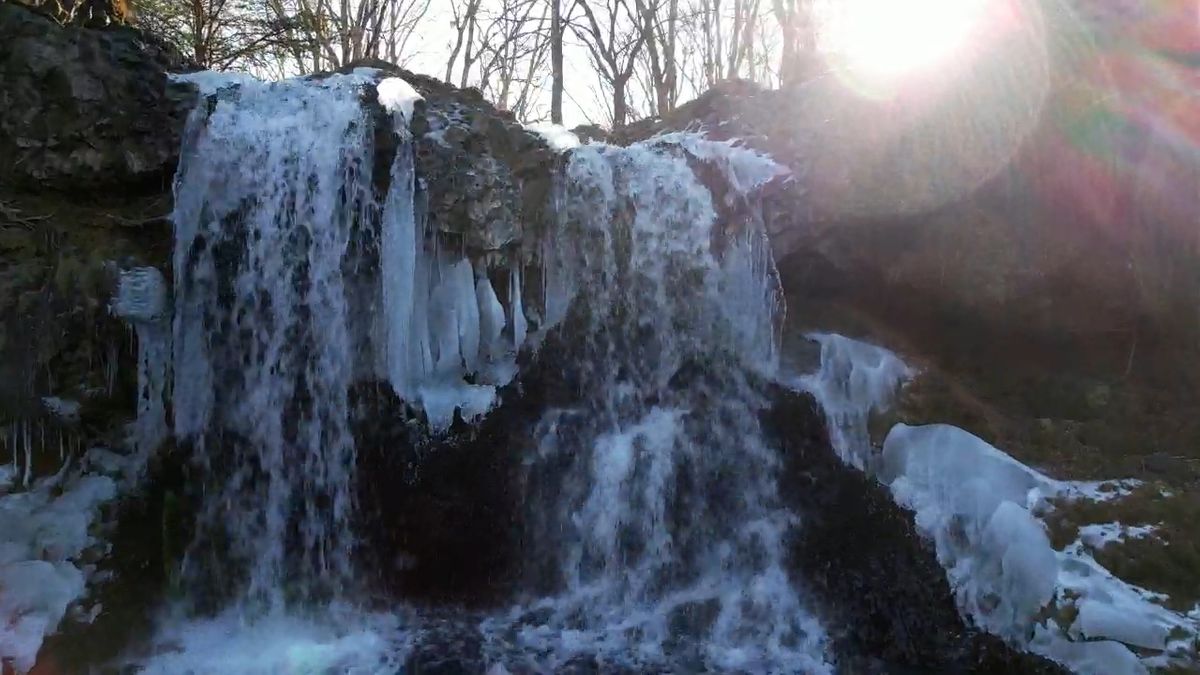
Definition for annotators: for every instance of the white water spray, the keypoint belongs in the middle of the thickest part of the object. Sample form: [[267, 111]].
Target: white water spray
[[656, 495]]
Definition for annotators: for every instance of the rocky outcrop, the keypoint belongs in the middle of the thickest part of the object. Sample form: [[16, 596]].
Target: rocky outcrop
[[486, 180], [878, 581], [86, 110]]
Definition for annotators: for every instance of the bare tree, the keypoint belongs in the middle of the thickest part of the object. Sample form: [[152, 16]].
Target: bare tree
[[465, 14], [799, 38], [614, 37], [403, 17], [660, 27], [512, 50]]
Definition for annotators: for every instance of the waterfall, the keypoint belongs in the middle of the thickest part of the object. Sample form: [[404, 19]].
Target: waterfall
[[274, 179], [654, 499]]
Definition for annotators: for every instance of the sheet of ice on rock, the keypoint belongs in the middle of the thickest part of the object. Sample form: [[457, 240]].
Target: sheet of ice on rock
[[984, 512]]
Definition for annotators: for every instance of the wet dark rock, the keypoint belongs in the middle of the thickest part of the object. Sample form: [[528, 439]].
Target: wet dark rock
[[442, 516], [883, 593], [83, 110]]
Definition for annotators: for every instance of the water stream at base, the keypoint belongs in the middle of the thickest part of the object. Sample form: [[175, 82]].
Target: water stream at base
[[652, 502]]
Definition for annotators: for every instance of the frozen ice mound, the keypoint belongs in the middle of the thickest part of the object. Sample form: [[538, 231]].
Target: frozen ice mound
[[44, 532], [974, 500], [981, 508]]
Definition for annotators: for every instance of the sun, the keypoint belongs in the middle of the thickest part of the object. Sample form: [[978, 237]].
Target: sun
[[878, 43]]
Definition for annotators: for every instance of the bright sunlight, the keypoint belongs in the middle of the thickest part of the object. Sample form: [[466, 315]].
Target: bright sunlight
[[880, 42]]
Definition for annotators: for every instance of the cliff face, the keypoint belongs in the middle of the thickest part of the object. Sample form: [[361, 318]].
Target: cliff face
[[90, 133], [86, 110]]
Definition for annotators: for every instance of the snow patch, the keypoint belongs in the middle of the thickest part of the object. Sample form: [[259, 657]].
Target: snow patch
[[44, 532], [398, 96], [558, 137], [1100, 490], [1097, 536]]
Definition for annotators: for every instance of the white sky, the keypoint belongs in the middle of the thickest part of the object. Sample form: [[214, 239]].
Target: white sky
[[431, 45]]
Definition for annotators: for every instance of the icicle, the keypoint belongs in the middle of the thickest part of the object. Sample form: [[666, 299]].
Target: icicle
[[519, 323], [400, 250], [142, 301], [28, 456], [491, 319], [466, 310]]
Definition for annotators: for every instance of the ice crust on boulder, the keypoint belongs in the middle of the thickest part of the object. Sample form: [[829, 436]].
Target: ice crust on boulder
[[558, 137], [983, 511], [974, 500], [981, 508]]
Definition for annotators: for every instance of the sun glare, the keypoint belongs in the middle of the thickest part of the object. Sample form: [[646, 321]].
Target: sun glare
[[879, 42]]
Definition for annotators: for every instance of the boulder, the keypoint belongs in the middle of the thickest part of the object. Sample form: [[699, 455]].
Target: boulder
[[486, 179], [85, 110]]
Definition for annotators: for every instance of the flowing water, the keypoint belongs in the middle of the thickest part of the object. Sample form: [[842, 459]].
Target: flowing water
[[273, 181], [655, 529], [655, 497]]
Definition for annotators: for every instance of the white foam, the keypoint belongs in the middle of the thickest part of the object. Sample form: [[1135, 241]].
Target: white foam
[[634, 247], [231, 645]]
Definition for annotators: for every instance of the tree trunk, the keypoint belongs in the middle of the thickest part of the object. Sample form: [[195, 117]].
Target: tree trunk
[[556, 62], [620, 107]]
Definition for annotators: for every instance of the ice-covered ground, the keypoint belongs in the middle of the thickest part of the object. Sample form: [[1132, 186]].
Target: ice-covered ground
[[46, 540], [984, 512]]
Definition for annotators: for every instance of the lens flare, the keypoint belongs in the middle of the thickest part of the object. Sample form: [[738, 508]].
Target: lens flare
[[879, 42]]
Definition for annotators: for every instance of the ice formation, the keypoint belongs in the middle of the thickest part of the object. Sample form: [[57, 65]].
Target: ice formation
[[744, 168], [443, 321], [44, 533], [855, 379], [142, 301], [983, 510]]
